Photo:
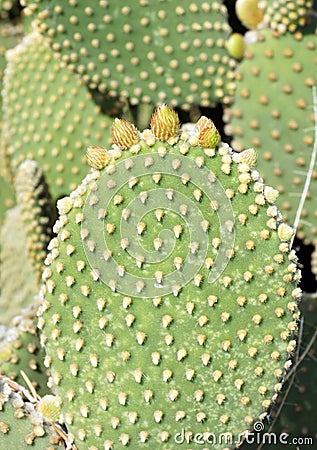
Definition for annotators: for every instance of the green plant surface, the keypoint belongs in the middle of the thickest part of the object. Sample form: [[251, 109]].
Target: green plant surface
[[48, 115], [26, 231], [148, 52], [287, 15], [37, 212], [170, 302], [7, 197], [18, 278], [9, 37], [21, 424], [20, 349], [293, 419], [273, 112]]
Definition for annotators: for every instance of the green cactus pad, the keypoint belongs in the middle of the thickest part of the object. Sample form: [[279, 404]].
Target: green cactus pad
[[49, 116], [273, 112], [21, 424], [294, 416], [149, 52], [18, 278], [20, 349], [7, 197], [170, 300], [38, 211], [9, 36], [287, 15], [298, 416], [26, 231]]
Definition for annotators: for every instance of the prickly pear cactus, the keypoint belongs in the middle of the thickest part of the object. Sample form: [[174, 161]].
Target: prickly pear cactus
[[26, 231], [147, 52], [22, 422], [299, 415], [170, 302], [273, 112], [7, 199], [287, 15], [37, 211], [9, 37], [48, 115], [20, 349], [294, 416], [19, 281]]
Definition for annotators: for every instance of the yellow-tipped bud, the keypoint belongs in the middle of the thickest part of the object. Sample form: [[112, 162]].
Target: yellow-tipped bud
[[165, 123], [285, 232], [97, 157], [236, 45], [250, 13], [208, 135], [249, 157], [124, 133], [50, 408]]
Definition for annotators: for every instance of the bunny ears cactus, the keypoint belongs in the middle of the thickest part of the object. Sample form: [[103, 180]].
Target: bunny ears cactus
[[170, 296], [147, 52]]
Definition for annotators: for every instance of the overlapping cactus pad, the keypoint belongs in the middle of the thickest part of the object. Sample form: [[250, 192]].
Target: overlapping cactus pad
[[170, 303], [24, 423], [19, 281], [37, 211], [273, 111], [287, 15], [48, 115], [146, 51], [20, 350]]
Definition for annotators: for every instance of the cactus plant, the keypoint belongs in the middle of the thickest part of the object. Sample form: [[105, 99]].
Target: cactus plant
[[9, 37], [170, 303], [7, 198], [210, 350], [294, 415], [302, 393], [273, 112], [69, 118], [37, 212], [26, 231], [23, 423], [281, 16], [20, 350], [147, 53], [19, 282], [287, 15]]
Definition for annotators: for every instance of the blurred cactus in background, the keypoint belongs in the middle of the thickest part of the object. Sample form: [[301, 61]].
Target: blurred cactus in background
[[158, 223]]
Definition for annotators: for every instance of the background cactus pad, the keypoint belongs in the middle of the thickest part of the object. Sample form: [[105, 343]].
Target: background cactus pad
[[273, 111], [287, 15], [48, 115], [148, 52]]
